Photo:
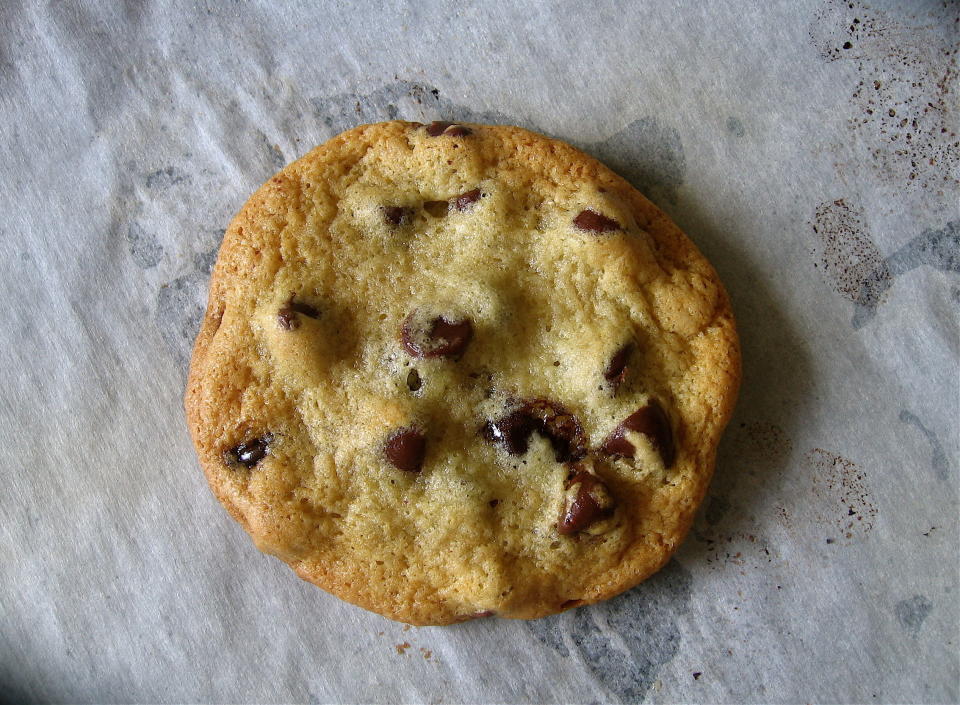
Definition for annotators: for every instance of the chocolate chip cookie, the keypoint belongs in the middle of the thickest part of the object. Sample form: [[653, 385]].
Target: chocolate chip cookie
[[453, 370]]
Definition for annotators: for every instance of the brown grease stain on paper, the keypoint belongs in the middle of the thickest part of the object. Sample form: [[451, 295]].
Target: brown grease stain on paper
[[727, 532], [901, 103], [848, 258], [843, 484]]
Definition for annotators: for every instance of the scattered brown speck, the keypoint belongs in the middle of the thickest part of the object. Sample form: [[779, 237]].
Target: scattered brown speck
[[911, 70], [762, 442], [849, 259], [402, 648], [843, 482]]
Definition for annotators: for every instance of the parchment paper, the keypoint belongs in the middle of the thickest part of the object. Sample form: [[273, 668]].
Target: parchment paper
[[809, 148]]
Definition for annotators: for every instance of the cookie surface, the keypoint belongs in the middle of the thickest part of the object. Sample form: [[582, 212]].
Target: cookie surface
[[453, 370]]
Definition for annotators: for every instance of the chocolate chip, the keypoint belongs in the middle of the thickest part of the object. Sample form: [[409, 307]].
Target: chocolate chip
[[439, 127], [437, 209], [443, 338], [305, 309], [511, 431], [616, 371], [465, 200], [249, 453], [436, 128], [395, 215], [651, 421], [287, 317], [413, 380], [493, 503], [595, 222], [587, 501], [550, 420], [406, 448]]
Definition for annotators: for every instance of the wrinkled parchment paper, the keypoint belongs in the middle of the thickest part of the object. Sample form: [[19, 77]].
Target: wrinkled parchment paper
[[809, 148]]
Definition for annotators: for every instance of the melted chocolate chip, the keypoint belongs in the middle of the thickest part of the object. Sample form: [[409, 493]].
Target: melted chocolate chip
[[595, 222], [437, 209], [395, 215], [616, 371], [436, 128], [650, 420], [444, 338], [550, 420], [465, 200], [413, 380], [305, 309], [405, 449], [287, 316], [588, 501], [481, 615], [439, 127], [512, 431], [249, 453]]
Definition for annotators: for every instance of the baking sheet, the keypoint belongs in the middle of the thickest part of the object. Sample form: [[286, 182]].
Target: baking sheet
[[809, 148]]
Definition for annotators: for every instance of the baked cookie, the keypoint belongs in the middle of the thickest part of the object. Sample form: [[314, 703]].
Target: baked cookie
[[455, 370]]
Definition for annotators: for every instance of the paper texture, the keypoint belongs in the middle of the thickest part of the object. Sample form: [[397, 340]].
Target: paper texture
[[809, 148]]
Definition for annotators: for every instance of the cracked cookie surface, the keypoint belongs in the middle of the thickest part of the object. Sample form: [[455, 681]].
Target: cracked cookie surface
[[454, 370]]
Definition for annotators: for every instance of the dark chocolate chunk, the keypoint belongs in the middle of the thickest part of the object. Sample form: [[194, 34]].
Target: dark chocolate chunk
[[249, 453], [438, 209], [287, 318], [595, 222], [443, 338], [616, 371], [395, 215], [440, 127], [465, 200], [650, 420], [588, 501], [405, 449], [287, 315], [305, 309], [550, 420], [413, 380], [436, 128]]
